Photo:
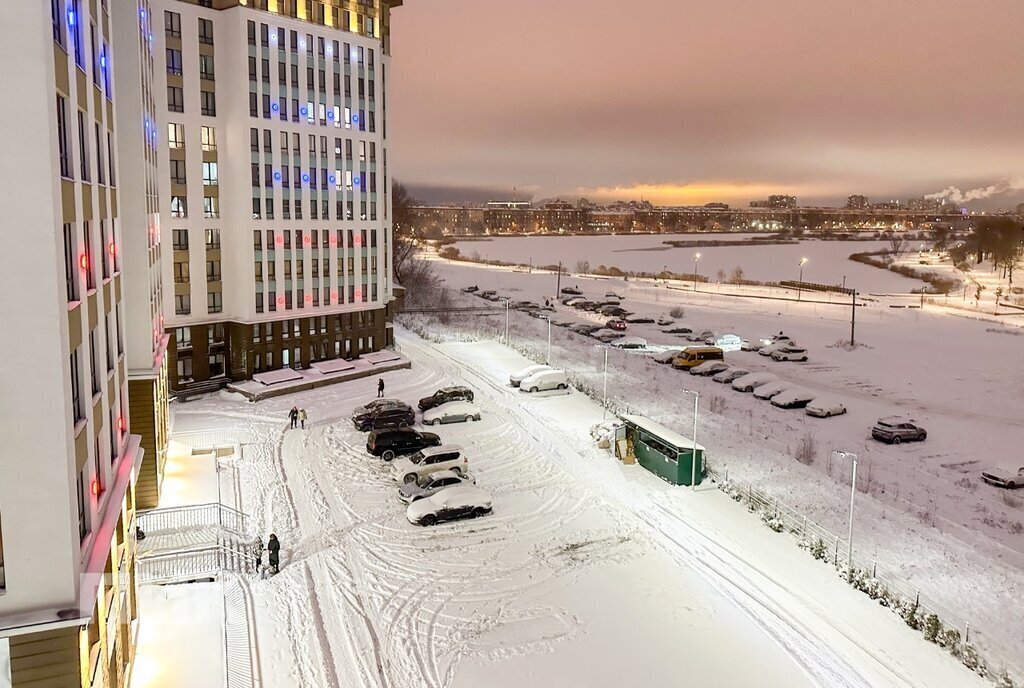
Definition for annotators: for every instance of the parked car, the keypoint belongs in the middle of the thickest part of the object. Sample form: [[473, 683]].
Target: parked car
[[825, 407], [376, 405], [895, 430], [678, 330], [614, 324], [430, 460], [387, 444], [432, 484], [726, 342], [748, 383], [709, 368], [544, 380], [561, 323], [387, 417], [769, 349], [665, 321], [772, 389], [584, 304], [794, 397], [613, 295], [776, 339], [789, 353], [470, 290], [573, 301], [747, 345], [451, 412], [629, 343], [571, 290], [695, 355], [730, 375], [639, 320], [667, 356], [487, 294], [444, 395], [613, 311], [702, 337], [461, 501], [516, 378], [525, 306], [585, 328], [605, 336], [1008, 476]]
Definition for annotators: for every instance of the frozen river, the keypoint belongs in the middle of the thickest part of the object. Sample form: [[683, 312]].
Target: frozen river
[[827, 261]]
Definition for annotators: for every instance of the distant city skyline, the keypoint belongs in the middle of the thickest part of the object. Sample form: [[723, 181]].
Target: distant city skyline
[[576, 99]]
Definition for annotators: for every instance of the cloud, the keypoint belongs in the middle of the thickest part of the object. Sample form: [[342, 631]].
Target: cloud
[[956, 195]]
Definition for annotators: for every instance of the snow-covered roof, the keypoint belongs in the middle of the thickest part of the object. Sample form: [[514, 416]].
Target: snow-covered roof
[[655, 428]]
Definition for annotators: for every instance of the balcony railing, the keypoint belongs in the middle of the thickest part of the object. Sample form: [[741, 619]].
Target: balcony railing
[[156, 520]]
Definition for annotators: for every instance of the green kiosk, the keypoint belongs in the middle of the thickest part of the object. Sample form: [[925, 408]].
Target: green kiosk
[[663, 452]]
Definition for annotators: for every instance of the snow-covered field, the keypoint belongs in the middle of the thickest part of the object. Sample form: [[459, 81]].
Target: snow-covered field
[[588, 573], [827, 260]]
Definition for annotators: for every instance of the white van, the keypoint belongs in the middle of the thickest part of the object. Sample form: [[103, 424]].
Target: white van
[[545, 380], [517, 377]]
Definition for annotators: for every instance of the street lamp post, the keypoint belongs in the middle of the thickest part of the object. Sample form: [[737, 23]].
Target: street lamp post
[[507, 302], [800, 283], [548, 359], [853, 493], [604, 410], [696, 257], [693, 455]]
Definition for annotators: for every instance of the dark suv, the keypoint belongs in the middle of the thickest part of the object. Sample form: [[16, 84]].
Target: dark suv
[[393, 442], [384, 417], [896, 430], [443, 396]]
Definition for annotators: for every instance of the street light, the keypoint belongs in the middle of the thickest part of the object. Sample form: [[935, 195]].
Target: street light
[[800, 283], [604, 410], [693, 455], [547, 360], [696, 257], [507, 302], [853, 493]]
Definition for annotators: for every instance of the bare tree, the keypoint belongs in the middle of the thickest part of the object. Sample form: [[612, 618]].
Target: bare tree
[[896, 245], [403, 231]]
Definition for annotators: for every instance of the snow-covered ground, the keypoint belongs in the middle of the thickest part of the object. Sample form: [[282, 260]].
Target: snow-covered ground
[[587, 573], [181, 639], [924, 511]]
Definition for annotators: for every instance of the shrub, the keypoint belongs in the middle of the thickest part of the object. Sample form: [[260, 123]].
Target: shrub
[[912, 616], [951, 641], [932, 628], [806, 450], [677, 312], [818, 549], [716, 403]]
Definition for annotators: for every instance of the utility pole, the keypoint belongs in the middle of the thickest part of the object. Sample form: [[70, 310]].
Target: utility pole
[[558, 287], [604, 410], [853, 318]]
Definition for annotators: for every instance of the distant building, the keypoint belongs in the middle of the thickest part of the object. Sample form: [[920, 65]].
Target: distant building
[[610, 221], [886, 205], [776, 202], [716, 206], [506, 217], [561, 217], [857, 202], [926, 205]]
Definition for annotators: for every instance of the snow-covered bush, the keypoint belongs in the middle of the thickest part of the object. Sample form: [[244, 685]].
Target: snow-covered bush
[[911, 615], [1005, 681], [773, 521], [818, 550], [932, 628], [677, 312], [973, 661], [951, 641]]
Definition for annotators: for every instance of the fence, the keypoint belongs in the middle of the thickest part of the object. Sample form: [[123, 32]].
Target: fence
[[196, 564], [195, 516], [241, 658], [978, 651], [206, 439]]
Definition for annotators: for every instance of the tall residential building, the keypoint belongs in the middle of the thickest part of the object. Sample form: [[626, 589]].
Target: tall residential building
[[70, 466], [857, 202], [274, 188]]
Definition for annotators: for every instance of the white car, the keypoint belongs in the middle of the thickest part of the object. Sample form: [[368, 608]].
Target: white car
[[747, 345], [545, 380], [460, 501], [665, 321], [789, 353], [730, 375], [825, 407], [794, 397], [1010, 477], [667, 356], [431, 484], [427, 461], [613, 295], [748, 383], [516, 378], [728, 342], [769, 349], [630, 343], [771, 389], [451, 412]]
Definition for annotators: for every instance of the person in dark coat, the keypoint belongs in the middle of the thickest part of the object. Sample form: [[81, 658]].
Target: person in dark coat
[[380, 388], [274, 547], [293, 415]]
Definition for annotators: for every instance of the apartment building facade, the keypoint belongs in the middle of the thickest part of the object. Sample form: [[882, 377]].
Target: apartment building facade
[[70, 465], [274, 190]]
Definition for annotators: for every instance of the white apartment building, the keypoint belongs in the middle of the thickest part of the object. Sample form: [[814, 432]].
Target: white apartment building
[[274, 188], [70, 465]]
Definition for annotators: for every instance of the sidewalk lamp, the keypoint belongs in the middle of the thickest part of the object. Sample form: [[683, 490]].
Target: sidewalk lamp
[[547, 361], [693, 456], [507, 302], [604, 410], [853, 493], [696, 257], [800, 283]]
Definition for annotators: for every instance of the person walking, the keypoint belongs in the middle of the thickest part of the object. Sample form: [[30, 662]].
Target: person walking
[[380, 388], [302, 418], [257, 550], [293, 415], [274, 548]]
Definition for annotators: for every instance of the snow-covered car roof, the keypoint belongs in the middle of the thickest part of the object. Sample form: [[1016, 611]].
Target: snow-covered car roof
[[630, 342], [825, 402], [458, 406], [772, 388], [441, 449], [1004, 470], [895, 420], [755, 378], [793, 394], [460, 494]]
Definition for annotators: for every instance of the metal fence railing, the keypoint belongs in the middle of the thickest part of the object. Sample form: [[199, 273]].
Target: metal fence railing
[[194, 516], [207, 439], [241, 658], [196, 564], [978, 650]]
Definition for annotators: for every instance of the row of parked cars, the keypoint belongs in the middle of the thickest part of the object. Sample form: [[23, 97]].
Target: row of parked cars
[[434, 479]]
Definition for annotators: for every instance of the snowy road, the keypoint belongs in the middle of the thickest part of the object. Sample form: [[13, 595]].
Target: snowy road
[[589, 573]]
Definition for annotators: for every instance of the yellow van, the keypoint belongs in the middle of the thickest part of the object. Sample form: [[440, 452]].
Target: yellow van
[[693, 356]]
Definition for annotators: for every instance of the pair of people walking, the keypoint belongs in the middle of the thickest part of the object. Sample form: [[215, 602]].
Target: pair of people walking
[[297, 416], [274, 554]]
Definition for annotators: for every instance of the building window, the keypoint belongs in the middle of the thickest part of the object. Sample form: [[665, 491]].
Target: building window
[[211, 207], [172, 24], [177, 169], [209, 137], [208, 103], [173, 61], [75, 20], [175, 99], [259, 302], [213, 239], [206, 67], [185, 369], [179, 206], [182, 304], [83, 146], [101, 175], [175, 135], [94, 366], [209, 173], [70, 276], [214, 302], [205, 31], [62, 138], [83, 525], [77, 410], [213, 271], [181, 275], [179, 238], [57, 19], [87, 261], [216, 333], [183, 337]]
